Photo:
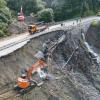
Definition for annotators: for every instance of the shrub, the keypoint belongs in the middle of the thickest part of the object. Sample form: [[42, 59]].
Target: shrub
[[46, 15]]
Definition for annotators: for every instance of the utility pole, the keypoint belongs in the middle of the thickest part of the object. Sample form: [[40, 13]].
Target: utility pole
[[21, 18]]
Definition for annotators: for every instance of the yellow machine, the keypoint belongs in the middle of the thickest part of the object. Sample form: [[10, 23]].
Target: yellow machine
[[32, 29], [35, 28]]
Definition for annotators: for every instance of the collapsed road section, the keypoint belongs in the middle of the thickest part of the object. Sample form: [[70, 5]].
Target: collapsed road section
[[68, 69], [12, 44]]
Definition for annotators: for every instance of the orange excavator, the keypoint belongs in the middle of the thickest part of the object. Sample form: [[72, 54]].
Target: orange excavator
[[39, 67], [25, 80]]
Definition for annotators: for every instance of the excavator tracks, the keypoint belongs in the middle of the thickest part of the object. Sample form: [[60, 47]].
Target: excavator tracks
[[8, 93], [11, 93]]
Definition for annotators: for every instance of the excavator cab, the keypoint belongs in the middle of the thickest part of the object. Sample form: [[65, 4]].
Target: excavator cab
[[32, 29], [23, 82], [27, 81]]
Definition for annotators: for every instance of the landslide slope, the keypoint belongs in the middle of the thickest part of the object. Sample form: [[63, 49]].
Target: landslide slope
[[11, 64], [79, 80]]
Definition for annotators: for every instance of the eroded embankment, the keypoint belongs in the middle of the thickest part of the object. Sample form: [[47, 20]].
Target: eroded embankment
[[10, 65], [81, 70], [84, 66], [77, 81]]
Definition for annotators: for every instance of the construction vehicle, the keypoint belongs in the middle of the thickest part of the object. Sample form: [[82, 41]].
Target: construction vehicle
[[38, 70], [26, 81], [38, 64], [23, 81], [38, 27], [24, 85]]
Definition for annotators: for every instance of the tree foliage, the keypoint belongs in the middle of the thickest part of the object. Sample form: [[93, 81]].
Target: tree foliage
[[65, 9], [50, 10], [29, 6], [5, 17], [46, 15]]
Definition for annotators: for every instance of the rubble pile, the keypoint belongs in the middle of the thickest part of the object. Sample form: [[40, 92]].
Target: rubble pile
[[82, 70]]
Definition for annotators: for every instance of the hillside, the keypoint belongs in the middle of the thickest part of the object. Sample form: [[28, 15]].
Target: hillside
[[79, 80], [69, 64]]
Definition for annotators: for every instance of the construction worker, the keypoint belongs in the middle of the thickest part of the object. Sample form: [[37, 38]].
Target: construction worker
[[61, 24]]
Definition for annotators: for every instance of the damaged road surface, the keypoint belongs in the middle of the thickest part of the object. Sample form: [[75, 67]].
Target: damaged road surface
[[74, 73]]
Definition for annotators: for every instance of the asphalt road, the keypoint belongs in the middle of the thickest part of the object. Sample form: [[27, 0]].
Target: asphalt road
[[9, 45]]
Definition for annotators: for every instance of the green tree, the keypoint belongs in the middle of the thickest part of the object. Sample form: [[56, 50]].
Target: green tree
[[28, 5], [46, 15], [65, 9], [5, 17]]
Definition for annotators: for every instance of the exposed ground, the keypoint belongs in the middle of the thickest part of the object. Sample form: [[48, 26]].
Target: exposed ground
[[79, 80]]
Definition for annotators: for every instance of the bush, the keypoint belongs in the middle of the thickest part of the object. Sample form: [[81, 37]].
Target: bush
[[5, 18], [4, 29], [46, 15]]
